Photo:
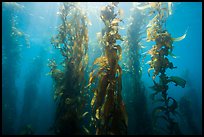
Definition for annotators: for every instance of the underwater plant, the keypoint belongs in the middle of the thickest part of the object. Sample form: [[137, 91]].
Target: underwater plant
[[189, 108], [186, 109], [27, 130], [109, 114], [69, 81], [136, 98], [31, 91], [157, 32], [11, 54]]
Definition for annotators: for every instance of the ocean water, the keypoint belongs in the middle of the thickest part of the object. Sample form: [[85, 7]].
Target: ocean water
[[28, 86]]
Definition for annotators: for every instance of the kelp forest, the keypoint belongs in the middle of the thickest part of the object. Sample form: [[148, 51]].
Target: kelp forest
[[113, 68]]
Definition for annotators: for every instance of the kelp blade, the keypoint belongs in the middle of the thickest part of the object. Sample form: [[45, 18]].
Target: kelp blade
[[178, 81]]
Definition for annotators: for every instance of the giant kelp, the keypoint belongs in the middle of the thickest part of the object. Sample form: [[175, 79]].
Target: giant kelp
[[11, 39], [31, 91], [69, 82], [157, 32], [109, 114], [136, 98], [186, 109]]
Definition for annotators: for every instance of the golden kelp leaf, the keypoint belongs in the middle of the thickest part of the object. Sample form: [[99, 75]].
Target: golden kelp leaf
[[107, 88], [122, 28], [148, 40], [154, 20], [115, 28], [86, 59], [170, 7], [91, 78], [143, 7], [153, 4], [119, 79], [118, 36], [151, 13], [148, 62], [113, 32], [179, 38], [97, 114], [98, 35], [119, 50], [121, 13], [89, 22], [115, 21], [93, 100], [86, 130], [151, 52], [149, 71], [148, 34], [85, 114], [154, 60], [101, 61]]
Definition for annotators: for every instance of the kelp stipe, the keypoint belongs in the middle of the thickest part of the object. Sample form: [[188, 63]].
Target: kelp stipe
[[109, 114], [186, 111], [136, 102], [72, 41], [27, 119], [159, 63], [11, 55]]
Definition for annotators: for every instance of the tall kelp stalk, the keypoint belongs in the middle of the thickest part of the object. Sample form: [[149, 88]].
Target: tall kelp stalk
[[186, 109], [69, 81], [30, 95], [136, 98], [156, 31], [109, 114], [11, 40], [189, 109]]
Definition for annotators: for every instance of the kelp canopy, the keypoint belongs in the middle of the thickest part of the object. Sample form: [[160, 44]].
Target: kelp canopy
[[72, 41], [157, 32], [109, 114]]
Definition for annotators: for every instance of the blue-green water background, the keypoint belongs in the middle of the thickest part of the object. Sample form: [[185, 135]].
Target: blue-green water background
[[39, 20]]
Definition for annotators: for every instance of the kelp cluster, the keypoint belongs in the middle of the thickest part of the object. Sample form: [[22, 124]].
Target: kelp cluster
[[186, 109], [11, 54], [159, 63], [72, 41], [138, 116], [133, 42], [27, 130], [31, 91], [109, 114]]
